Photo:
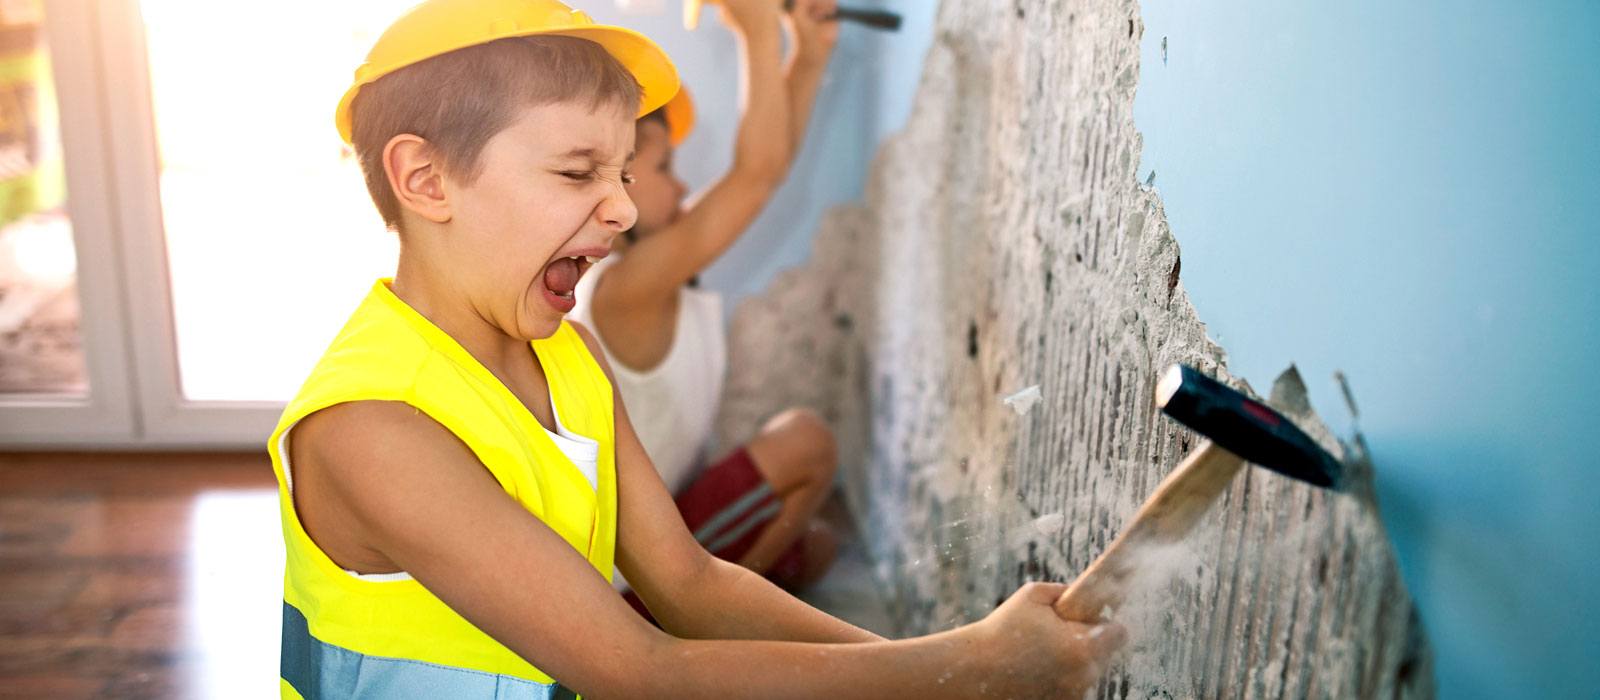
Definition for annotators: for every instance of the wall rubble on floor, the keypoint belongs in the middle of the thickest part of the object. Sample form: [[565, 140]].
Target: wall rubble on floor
[[1005, 242]]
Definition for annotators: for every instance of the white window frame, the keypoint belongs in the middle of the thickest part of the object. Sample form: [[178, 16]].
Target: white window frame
[[105, 415], [167, 418], [113, 184]]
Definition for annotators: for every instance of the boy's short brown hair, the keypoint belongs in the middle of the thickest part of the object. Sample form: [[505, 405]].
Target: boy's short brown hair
[[459, 100]]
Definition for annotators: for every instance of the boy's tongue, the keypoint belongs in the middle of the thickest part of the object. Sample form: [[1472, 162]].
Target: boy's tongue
[[561, 276]]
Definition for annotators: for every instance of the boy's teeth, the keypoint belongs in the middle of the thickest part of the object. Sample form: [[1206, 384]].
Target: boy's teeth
[[592, 259]]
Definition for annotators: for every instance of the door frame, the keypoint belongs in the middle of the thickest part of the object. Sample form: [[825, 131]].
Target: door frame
[[167, 417], [105, 415], [135, 398]]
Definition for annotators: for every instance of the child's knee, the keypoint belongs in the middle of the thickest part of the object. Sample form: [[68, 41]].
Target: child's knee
[[810, 433]]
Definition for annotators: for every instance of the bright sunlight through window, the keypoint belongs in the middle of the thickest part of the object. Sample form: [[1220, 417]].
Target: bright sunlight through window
[[271, 237]]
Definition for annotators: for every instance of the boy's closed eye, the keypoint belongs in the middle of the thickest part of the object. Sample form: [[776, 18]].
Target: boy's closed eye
[[590, 175]]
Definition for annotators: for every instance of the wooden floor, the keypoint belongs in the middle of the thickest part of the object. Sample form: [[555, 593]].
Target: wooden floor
[[161, 576], [139, 576]]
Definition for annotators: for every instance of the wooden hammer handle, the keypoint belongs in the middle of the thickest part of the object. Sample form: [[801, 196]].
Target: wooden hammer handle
[[1166, 517]]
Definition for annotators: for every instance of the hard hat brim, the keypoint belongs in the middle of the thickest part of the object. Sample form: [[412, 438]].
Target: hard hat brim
[[679, 112], [649, 64]]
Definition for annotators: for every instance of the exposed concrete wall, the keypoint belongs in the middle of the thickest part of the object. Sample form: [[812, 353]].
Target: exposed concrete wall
[[1003, 243]]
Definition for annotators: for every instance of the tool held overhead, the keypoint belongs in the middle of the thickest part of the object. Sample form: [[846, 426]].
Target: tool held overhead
[[877, 19], [1238, 430]]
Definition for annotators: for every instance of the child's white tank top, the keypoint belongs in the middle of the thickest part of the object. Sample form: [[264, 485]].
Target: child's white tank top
[[673, 405]]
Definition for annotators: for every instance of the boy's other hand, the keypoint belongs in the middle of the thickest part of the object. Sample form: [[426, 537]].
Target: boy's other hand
[[1032, 652], [816, 31]]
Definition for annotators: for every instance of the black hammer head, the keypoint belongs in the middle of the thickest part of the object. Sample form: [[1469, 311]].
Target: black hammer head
[[1245, 427]]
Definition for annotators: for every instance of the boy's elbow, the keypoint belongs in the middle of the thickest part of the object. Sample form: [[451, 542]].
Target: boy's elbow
[[767, 179], [684, 592], [641, 674]]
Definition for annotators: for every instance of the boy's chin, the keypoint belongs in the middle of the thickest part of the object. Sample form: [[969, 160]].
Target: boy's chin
[[538, 321], [539, 329]]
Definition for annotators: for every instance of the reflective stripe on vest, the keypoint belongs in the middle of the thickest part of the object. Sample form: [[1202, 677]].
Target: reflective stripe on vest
[[317, 670]]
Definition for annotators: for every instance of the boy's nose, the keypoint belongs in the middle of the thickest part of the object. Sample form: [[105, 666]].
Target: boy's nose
[[617, 211]]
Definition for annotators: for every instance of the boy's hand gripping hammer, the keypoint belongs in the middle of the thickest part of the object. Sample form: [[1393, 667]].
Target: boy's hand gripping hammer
[[1239, 429]]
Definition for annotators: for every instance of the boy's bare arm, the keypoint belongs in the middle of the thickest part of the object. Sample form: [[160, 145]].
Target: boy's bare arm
[[693, 594], [661, 263], [420, 498], [1016, 652], [814, 36]]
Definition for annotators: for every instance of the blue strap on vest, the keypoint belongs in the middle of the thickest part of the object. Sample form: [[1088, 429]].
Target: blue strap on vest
[[322, 671]]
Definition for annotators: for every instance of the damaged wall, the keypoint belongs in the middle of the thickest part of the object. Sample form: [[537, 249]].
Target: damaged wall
[[1004, 242]]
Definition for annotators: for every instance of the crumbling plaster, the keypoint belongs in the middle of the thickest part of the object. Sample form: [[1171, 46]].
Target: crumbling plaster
[[1004, 242]]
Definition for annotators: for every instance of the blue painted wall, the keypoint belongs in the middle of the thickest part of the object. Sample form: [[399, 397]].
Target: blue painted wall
[[1407, 192]]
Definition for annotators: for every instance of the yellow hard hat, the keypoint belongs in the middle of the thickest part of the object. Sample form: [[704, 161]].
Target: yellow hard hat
[[679, 112], [437, 27]]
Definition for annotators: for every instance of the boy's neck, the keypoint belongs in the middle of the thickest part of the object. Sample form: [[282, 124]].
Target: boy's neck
[[446, 305]]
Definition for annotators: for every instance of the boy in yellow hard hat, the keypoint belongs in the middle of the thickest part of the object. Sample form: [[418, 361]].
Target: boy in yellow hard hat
[[665, 337], [457, 476]]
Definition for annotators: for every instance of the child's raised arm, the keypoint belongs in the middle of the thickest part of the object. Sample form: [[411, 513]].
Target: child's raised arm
[[814, 34], [659, 264]]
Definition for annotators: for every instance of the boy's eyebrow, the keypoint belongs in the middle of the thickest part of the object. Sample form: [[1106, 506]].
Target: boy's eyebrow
[[591, 154]]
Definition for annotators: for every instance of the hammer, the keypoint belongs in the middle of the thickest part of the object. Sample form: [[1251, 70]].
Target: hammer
[[877, 19], [1240, 429]]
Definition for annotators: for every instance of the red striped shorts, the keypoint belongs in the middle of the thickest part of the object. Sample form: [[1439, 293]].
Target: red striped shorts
[[727, 509]]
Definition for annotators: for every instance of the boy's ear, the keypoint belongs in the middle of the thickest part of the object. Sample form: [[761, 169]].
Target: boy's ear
[[416, 177]]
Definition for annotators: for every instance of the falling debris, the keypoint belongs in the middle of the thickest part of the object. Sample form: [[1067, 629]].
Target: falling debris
[[1163, 51], [1150, 181], [1049, 524], [1023, 401]]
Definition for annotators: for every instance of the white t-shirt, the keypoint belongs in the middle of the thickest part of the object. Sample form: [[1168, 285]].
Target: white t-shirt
[[673, 405]]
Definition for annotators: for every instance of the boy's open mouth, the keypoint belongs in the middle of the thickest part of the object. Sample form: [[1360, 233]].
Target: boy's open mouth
[[561, 277]]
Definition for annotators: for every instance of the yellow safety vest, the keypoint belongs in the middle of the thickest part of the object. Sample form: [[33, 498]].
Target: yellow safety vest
[[346, 637]]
